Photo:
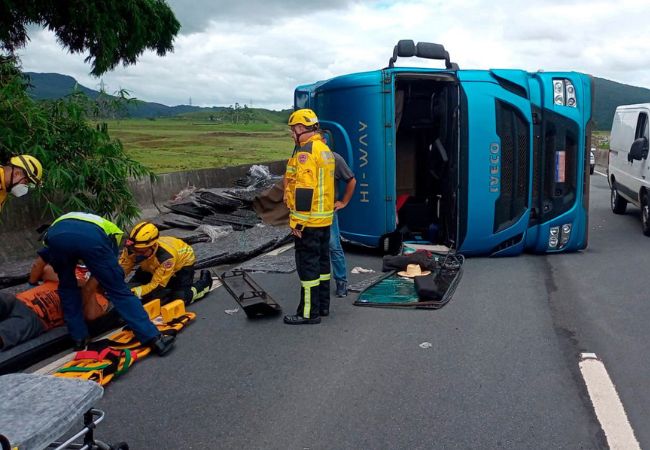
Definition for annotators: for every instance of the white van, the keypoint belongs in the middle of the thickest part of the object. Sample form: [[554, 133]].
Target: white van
[[629, 168]]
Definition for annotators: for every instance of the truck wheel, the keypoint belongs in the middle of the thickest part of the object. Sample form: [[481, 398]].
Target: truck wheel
[[645, 215], [618, 203]]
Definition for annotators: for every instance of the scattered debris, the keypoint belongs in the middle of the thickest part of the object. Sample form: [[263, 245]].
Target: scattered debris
[[231, 312], [361, 270], [281, 263], [426, 345]]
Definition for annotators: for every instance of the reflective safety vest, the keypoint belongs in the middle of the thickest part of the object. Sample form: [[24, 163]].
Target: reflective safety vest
[[109, 227], [3, 188], [310, 185]]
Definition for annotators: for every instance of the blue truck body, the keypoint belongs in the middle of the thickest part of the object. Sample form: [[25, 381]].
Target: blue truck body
[[491, 162]]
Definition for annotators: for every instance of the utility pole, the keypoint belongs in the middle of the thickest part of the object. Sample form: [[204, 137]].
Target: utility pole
[[190, 101]]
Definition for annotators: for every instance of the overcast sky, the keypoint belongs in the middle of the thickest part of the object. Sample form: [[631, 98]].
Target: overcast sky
[[259, 50]]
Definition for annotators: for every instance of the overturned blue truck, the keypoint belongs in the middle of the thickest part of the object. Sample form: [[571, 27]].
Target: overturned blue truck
[[489, 162]]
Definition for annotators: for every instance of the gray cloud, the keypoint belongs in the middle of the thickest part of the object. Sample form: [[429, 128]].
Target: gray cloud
[[196, 15], [263, 50]]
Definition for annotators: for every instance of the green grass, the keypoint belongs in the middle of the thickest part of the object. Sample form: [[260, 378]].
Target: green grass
[[171, 145]]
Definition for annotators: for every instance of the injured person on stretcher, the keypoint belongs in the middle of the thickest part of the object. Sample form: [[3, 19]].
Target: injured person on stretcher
[[30, 313], [166, 266]]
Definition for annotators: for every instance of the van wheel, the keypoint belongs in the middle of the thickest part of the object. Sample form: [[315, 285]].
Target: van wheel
[[618, 203], [645, 215]]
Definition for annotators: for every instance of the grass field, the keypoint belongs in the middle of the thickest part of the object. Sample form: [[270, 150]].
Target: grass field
[[185, 143], [171, 145]]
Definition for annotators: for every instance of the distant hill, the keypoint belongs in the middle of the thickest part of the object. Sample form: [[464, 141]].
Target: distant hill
[[48, 86], [609, 94]]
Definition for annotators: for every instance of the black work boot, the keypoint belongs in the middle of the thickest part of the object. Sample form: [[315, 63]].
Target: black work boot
[[324, 312], [162, 344], [206, 277], [300, 320], [81, 344]]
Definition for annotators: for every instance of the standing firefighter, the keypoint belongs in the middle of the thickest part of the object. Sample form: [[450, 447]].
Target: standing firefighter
[[309, 195], [17, 176]]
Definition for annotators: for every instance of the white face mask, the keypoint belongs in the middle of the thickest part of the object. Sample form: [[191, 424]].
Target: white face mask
[[19, 190]]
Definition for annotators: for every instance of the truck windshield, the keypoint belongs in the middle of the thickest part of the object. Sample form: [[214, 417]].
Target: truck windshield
[[555, 167]]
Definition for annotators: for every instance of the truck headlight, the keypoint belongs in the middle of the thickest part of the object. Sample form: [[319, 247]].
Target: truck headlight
[[566, 234], [564, 93], [554, 237]]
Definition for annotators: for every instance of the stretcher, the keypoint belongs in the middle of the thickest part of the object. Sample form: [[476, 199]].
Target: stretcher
[[38, 409]]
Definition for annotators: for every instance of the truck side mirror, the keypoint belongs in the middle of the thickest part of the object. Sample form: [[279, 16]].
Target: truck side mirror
[[405, 48], [639, 150], [431, 51]]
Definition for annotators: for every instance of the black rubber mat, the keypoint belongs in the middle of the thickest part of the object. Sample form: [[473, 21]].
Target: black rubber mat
[[239, 246]]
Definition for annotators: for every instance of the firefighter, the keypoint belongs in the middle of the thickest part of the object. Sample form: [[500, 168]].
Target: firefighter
[[166, 266], [309, 195], [16, 177], [79, 236]]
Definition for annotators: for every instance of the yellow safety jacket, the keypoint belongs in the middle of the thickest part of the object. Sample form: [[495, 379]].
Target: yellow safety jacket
[[310, 184], [171, 256], [3, 188]]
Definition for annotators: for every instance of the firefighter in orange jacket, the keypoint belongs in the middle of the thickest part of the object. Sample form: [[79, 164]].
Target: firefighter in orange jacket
[[309, 195], [166, 266]]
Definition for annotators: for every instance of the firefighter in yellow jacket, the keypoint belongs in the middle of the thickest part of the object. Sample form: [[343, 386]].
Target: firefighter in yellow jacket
[[166, 266], [17, 176], [309, 195]]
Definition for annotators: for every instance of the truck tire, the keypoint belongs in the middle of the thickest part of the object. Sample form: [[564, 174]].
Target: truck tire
[[645, 215], [618, 203]]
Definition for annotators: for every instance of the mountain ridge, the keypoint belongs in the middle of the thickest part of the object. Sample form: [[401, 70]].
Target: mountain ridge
[[608, 95]]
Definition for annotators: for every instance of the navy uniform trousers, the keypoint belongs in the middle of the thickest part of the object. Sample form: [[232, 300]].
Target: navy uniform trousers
[[313, 265], [69, 241]]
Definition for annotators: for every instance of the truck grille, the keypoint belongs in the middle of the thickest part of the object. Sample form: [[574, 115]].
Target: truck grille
[[514, 131]]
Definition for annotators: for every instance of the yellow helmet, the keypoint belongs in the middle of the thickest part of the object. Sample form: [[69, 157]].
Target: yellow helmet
[[143, 235], [32, 167], [306, 117]]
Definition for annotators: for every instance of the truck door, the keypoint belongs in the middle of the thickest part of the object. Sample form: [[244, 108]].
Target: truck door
[[496, 123], [351, 111]]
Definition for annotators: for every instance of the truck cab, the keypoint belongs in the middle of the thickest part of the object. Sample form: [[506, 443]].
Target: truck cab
[[484, 161]]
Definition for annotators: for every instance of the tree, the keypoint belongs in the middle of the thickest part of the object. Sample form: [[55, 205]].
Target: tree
[[85, 170], [112, 32]]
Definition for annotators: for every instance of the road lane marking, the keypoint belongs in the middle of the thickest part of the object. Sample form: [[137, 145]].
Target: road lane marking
[[600, 173], [609, 409]]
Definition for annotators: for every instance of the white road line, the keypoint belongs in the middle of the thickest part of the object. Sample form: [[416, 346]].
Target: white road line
[[609, 409], [600, 173]]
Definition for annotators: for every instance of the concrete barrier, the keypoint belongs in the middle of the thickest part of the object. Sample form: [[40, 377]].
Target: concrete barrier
[[21, 216]]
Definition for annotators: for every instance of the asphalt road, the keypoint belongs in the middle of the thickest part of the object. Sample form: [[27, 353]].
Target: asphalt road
[[502, 371]]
